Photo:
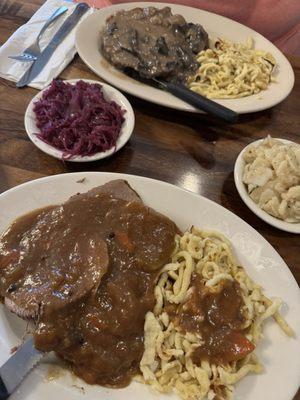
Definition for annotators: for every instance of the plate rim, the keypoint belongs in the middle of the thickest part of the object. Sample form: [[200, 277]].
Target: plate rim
[[182, 106], [51, 151], [240, 186]]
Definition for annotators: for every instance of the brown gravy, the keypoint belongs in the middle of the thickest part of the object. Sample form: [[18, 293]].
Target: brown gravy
[[219, 320], [153, 42], [105, 248]]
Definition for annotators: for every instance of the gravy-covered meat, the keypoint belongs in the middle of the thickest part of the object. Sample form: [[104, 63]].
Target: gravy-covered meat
[[89, 267], [118, 188], [48, 259], [153, 42]]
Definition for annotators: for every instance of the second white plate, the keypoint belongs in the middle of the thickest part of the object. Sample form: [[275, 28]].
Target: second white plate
[[88, 46]]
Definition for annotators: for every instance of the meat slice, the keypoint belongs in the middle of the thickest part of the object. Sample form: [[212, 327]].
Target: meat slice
[[54, 263], [55, 256], [119, 189]]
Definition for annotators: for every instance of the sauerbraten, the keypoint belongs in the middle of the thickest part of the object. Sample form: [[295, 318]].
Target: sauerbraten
[[154, 43], [85, 271], [116, 290]]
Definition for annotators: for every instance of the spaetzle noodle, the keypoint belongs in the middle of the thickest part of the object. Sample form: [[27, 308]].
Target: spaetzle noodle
[[167, 360], [232, 70]]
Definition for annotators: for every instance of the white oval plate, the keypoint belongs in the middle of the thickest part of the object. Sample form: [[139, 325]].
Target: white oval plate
[[88, 44], [278, 353], [241, 188], [110, 93]]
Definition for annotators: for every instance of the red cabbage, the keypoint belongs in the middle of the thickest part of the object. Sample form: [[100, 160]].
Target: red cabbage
[[77, 119]]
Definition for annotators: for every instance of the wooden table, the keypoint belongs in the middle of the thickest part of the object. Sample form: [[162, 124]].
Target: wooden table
[[191, 151]]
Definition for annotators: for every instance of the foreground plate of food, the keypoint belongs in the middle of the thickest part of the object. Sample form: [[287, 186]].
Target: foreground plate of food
[[152, 282], [89, 43]]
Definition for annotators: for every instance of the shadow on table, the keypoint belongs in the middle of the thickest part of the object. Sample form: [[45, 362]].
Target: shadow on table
[[4, 184], [117, 162], [209, 127], [203, 156]]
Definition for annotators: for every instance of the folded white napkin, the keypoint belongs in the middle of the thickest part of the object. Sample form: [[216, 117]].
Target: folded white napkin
[[26, 35]]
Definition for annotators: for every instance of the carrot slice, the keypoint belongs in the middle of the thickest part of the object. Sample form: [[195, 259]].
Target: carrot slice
[[124, 240], [237, 346]]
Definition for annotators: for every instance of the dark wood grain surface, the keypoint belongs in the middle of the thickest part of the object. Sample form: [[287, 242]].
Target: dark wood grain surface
[[192, 151]]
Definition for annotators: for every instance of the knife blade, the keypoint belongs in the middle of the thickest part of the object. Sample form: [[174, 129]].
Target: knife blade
[[46, 54], [17, 367]]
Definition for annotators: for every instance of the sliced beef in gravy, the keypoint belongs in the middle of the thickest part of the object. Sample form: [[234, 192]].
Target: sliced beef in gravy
[[153, 42], [105, 247], [49, 260], [119, 189], [52, 257]]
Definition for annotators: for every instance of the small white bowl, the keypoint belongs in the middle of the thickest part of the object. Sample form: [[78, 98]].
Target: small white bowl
[[241, 188], [110, 93]]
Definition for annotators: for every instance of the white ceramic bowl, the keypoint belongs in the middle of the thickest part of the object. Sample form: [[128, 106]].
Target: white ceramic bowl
[[110, 93], [241, 188]]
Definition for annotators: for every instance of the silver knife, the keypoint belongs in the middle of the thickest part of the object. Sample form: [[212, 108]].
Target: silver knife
[[17, 367], [45, 55]]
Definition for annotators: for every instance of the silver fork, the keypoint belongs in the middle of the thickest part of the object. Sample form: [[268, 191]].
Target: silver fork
[[31, 53]]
